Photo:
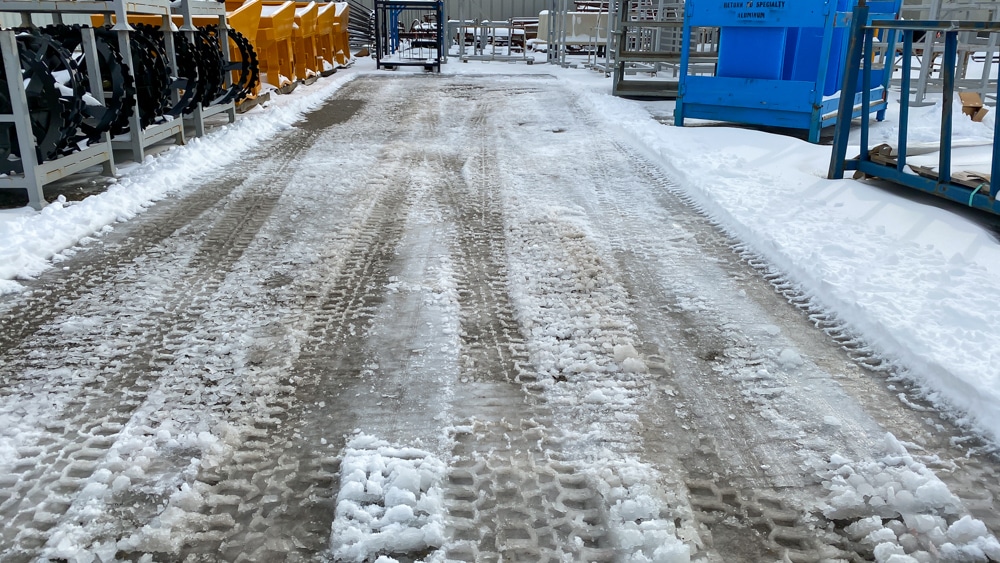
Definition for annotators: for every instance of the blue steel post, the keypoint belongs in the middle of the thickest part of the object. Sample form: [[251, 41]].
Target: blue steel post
[[995, 167], [887, 65], [816, 121], [845, 110], [866, 89], [904, 99], [948, 66], [394, 29], [682, 80]]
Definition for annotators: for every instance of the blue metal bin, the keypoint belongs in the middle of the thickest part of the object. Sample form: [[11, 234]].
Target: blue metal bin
[[780, 62]]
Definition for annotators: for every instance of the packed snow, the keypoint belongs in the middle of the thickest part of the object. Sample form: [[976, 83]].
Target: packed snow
[[389, 501], [913, 278]]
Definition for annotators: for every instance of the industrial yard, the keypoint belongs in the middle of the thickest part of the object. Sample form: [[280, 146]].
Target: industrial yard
[[492, 313]]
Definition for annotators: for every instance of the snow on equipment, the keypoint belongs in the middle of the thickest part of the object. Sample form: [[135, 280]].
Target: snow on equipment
[[274, 40], [341, 32], [329, 30], [419, 43], [72, 94], [780, 63], [972, 188], [144, 73], [308, 65], [63, 92]]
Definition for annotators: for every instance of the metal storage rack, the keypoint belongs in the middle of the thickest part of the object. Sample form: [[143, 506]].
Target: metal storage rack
[[422, 47], [974, 46], [648, 40], [116, 12], [36, 175], [481, 37], [188, 10], [971, 188]]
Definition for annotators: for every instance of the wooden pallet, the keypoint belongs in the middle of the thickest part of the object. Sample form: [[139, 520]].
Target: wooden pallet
[[886, 155], [966, 178]]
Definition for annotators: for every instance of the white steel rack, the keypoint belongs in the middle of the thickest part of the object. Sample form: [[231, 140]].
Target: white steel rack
[[36, 175], [188, 9], [978, 54]]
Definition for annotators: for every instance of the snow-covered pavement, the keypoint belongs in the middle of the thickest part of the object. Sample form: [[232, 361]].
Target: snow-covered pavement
[[492, 314]]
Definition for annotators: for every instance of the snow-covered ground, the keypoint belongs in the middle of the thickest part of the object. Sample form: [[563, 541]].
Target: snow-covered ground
[[912, 278]]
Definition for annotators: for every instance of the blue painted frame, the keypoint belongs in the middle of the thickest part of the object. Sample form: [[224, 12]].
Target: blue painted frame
[[797, 104], [984, 196]]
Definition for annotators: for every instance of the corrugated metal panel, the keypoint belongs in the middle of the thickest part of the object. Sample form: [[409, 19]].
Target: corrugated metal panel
[[14, 20]]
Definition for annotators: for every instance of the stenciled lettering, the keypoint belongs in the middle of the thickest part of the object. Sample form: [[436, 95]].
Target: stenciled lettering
[[751, 4]]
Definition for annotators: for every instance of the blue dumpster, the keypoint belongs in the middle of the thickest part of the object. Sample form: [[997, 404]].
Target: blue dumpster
[[780, 62]]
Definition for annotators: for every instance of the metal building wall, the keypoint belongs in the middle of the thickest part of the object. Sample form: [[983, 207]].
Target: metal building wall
[[492, 10]]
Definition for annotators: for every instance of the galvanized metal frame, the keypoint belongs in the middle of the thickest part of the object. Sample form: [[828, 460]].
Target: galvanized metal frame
[[983, 196], [188, 9], [462, 16], [138, 139], [639, 47], [927, 49], [650, 45]]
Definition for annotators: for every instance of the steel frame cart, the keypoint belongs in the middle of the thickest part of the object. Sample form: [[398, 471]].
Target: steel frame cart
[[388, 41]]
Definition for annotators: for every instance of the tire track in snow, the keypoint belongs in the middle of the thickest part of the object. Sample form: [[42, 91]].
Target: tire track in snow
[[718, 501], [96, 265], [747, 494], [969, 467], [42, 486], [99, 415], [275, 492], [508, 496], [661, 419]]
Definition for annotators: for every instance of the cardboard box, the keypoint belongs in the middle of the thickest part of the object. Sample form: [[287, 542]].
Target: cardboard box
[[972, 105]]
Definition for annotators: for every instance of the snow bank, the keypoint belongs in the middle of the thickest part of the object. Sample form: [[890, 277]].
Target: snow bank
[[389, 501], [30, 239], [903, 511]]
